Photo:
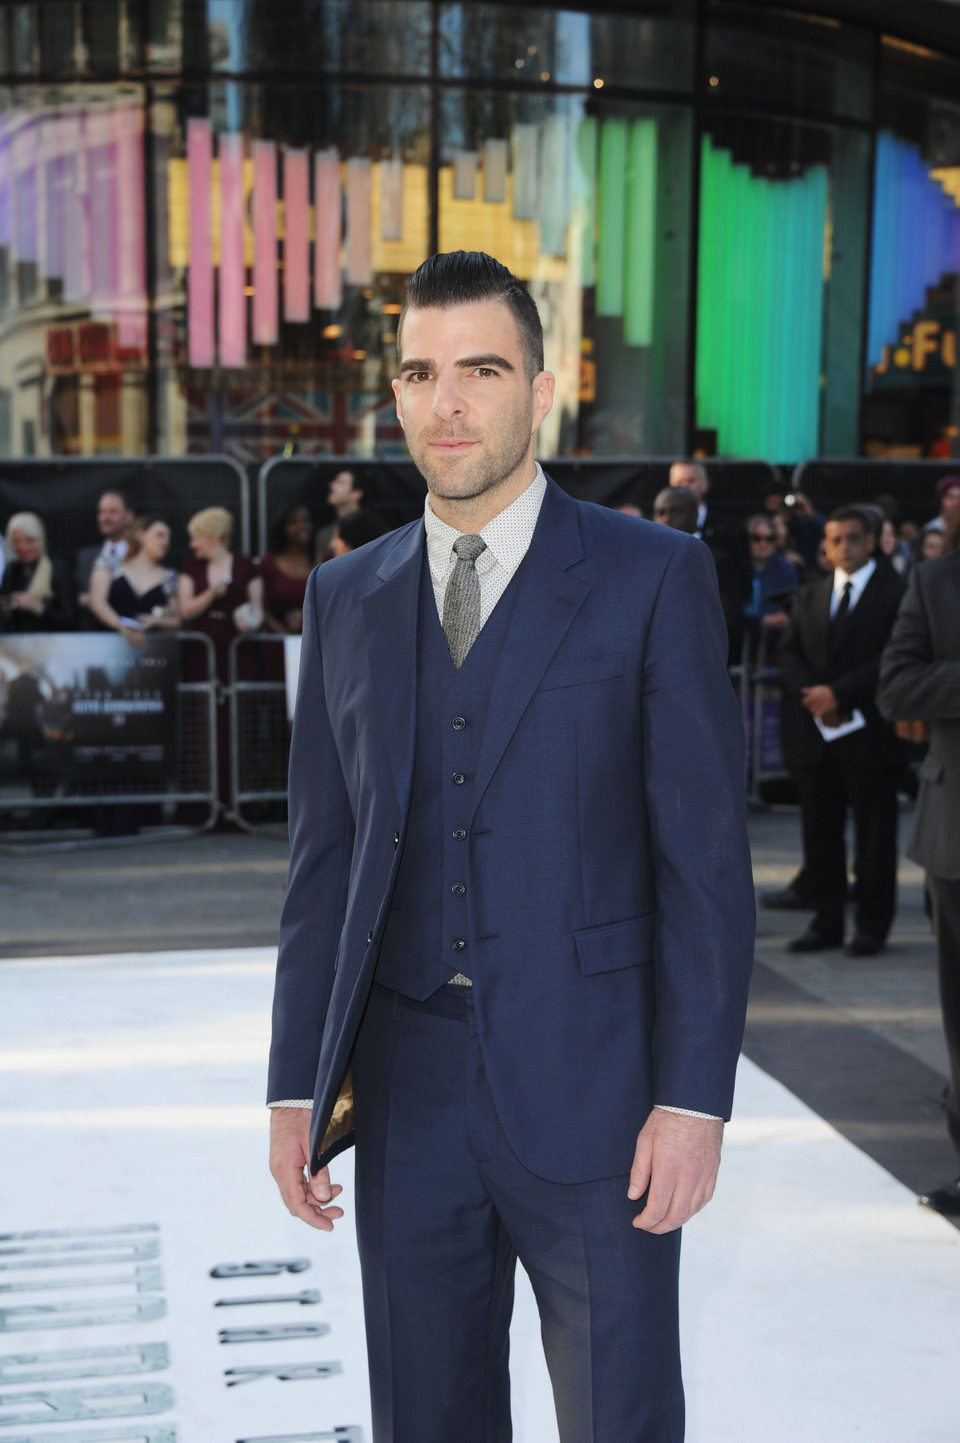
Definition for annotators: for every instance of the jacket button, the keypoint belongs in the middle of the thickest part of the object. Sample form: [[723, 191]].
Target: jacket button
[[459, 944], [459, 723], [458, 889], [369, 938], [396, 839], [458, 779], [459, 833]]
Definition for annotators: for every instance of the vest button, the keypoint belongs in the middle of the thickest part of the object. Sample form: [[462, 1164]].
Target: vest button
[[459, 833], [459, 723], [458, 779], [396, 839], [458, 944], [458, 889]]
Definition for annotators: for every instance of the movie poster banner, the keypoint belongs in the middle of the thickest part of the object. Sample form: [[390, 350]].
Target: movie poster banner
[[87, 707]]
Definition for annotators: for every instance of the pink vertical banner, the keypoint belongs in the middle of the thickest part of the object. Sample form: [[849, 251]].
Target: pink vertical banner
[[232, 309], [359, 250], [328, 224], [265, 317], [76, 210], [131, 248], [102, 183], [6, 233], [391, 200], [200, 274], [296, 241]]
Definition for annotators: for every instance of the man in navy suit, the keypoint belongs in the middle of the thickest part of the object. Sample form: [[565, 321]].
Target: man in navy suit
[[518, 930]]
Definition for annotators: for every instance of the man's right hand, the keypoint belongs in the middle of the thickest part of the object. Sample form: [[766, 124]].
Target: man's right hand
[[306, 1197]]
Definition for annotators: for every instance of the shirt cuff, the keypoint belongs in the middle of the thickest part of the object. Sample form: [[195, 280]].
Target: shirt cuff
[[292, 1102], [661, 1107]]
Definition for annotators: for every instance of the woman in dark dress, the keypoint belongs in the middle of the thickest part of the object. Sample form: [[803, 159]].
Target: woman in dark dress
[[34, 593], [285, 569], [141, 596]]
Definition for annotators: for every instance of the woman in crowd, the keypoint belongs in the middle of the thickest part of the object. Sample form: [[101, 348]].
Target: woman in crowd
[[896, 551], [34, 594], [929, 544], [285, 568], [142, 595], [219, 593]]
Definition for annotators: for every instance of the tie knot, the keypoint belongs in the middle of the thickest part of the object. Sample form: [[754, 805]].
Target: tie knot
[[469, 547]]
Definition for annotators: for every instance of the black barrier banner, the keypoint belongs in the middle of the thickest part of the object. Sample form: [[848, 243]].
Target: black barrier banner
[[87, 706]]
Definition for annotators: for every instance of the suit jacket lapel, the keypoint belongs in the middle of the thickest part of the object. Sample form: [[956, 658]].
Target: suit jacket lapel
[[390, 627], [546, 601]]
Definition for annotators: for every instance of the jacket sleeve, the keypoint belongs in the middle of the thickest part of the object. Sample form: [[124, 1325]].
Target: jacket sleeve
[[792, 663], [693, 760], [913, 685], [321, 847]]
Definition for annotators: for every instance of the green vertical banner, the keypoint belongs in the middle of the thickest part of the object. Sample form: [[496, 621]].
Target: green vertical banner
[[759, 308], [584, 197], [611, 217], [640, 233]]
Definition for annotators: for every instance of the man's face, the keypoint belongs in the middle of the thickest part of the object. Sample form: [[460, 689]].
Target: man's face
[[675, 511], [689, 473], [848, 545], [467, 409], [113, 518], [342, 493]]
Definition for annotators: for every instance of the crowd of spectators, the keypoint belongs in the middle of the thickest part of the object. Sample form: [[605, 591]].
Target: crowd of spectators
[[124, 584]]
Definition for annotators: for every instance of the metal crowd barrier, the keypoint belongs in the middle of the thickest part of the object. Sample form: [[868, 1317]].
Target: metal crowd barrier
[[259, 732], [760, 694], [183, 802]]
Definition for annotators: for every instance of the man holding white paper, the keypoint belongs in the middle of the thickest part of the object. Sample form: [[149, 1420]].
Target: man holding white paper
[[844, 755]]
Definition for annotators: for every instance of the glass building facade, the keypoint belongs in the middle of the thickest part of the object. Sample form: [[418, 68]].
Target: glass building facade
[[741, 223]]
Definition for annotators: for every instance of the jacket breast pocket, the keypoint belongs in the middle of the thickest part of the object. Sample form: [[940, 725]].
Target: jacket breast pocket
[[578, 671], [617, 944]]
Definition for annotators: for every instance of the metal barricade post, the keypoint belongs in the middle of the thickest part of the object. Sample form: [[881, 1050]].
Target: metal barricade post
[[259, 730]]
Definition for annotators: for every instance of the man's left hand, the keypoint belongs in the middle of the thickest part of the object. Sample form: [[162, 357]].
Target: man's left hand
[[676, 1164]]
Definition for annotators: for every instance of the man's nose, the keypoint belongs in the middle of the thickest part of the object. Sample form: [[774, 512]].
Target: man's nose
[[447, 397]]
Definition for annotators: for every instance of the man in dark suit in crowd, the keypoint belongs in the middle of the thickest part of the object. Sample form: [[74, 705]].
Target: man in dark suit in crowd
[[520, 905], [114, 518], [829, 662], [920, 681]]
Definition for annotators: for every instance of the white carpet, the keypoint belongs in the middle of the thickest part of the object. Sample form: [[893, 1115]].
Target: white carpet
[[820, 1303]]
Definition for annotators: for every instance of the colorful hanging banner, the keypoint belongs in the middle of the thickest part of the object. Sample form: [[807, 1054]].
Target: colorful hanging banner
[[526, 189], [232, 279], [200, 335], [328, 223], [265, 299], [495, 162], [296, 237], [131, 300], [359, 256], [391, 200]]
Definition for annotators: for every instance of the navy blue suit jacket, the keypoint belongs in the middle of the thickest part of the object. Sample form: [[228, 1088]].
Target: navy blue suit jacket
[[612, 908]]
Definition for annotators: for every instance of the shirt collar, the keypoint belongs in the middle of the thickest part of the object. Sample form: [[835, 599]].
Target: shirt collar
[[508, 534], [858, 578]]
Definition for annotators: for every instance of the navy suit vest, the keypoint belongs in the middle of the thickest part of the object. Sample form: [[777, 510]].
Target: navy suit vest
[[428, 935]]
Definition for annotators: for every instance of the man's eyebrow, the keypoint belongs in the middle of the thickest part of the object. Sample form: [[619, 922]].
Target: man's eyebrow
[[469, 363], [466, 363]]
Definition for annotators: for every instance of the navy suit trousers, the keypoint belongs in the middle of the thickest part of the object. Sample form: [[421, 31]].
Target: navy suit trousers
[[444, 1210]]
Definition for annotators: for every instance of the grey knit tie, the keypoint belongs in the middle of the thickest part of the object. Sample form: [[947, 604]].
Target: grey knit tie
[[461, 602]]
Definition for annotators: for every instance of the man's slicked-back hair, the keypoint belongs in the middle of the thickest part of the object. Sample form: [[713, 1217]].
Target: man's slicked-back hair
[[460, 278]]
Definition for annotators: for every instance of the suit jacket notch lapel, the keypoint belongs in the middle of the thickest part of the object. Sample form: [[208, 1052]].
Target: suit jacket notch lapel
[[390, 612]]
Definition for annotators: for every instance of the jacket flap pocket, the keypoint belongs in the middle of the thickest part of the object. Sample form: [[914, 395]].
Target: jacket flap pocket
[[931, 769], [618, 944], [578, 671]]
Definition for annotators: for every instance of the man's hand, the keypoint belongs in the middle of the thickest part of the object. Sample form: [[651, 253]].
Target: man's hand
[[820, 701], [676, 1164], [306, 1197]]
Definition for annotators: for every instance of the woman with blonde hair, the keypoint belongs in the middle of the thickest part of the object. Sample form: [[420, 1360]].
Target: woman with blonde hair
[[219, 593], [142, 594], [33, 593]]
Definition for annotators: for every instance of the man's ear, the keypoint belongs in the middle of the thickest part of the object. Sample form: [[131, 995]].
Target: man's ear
[[544, 385], [395, 383]]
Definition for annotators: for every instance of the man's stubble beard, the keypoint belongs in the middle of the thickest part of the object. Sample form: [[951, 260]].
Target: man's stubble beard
[[483, 474]]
